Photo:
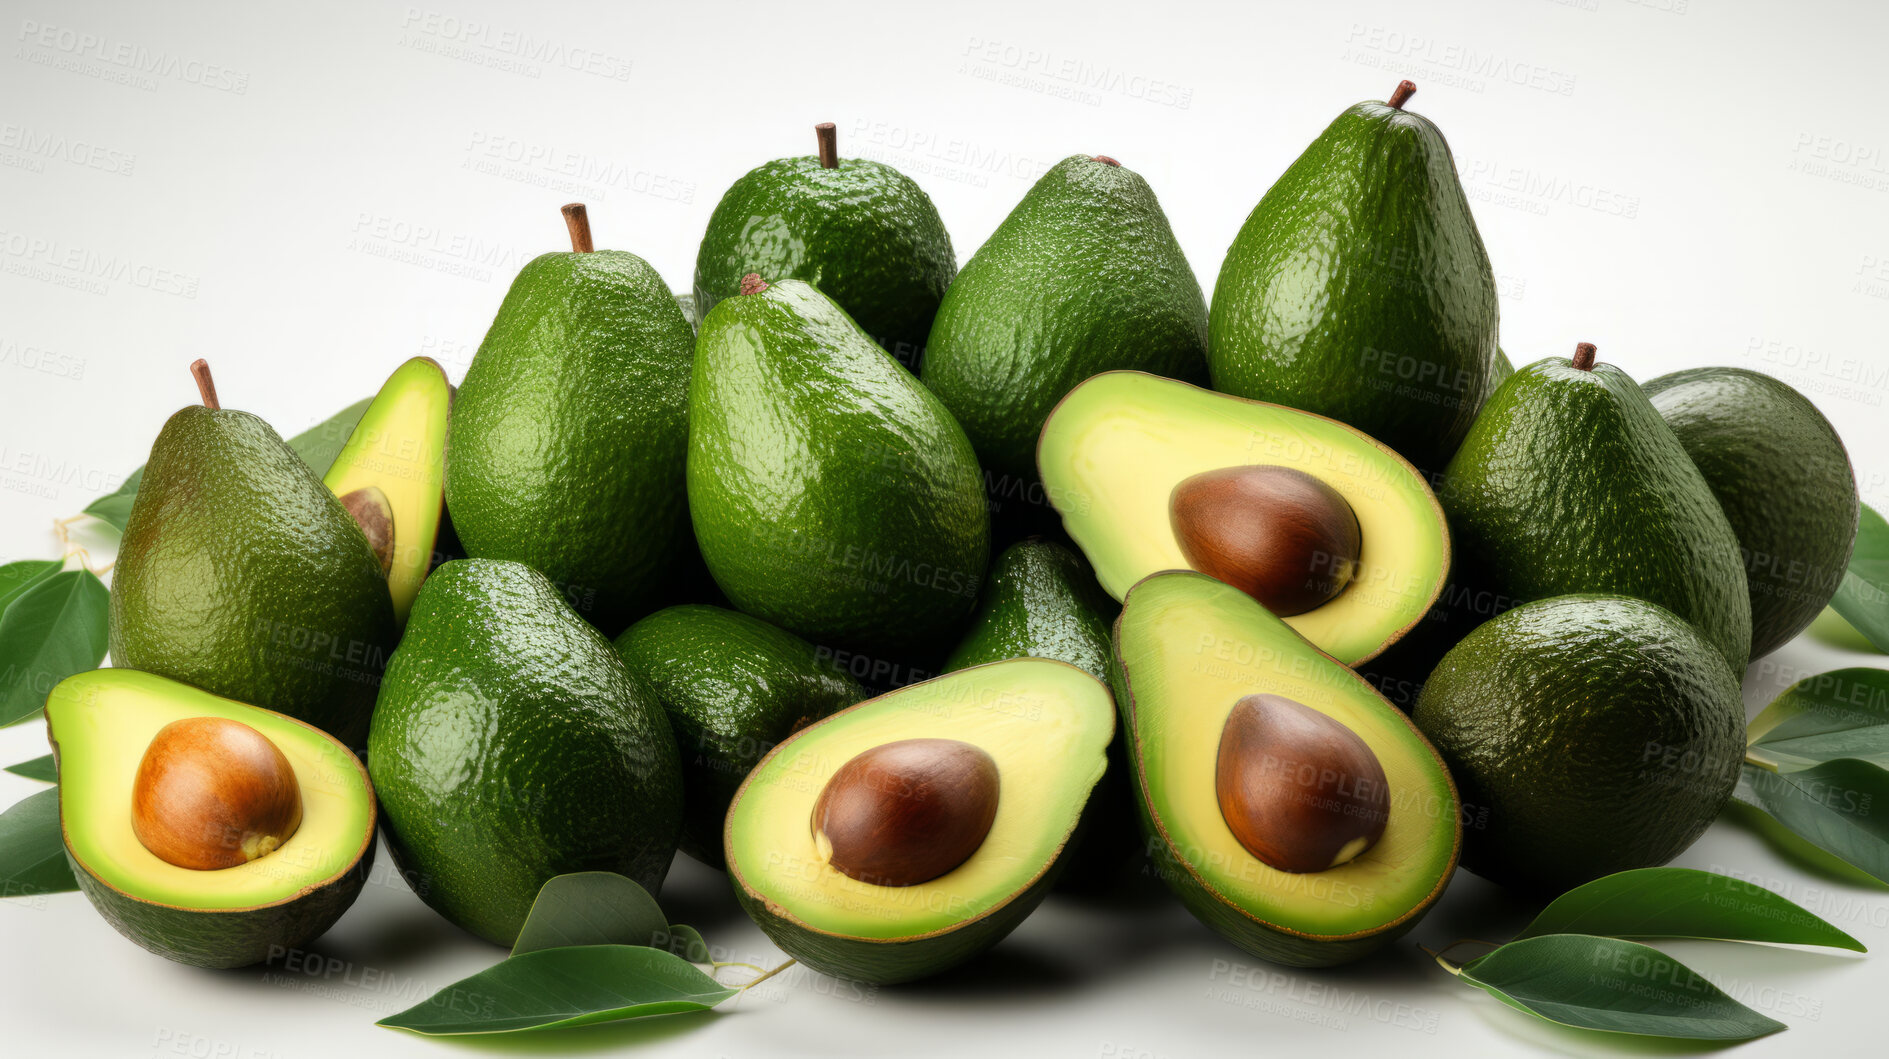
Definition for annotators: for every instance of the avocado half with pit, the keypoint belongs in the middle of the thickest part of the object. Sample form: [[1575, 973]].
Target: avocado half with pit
[[906, 834], [1324, 525], [140, 757], [1290, 807]]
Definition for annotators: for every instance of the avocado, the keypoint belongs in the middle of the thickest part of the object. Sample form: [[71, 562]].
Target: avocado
[[1286, 803], [832, 494], [1591, 734], [733, 686], [1084, 276], [861, 231], [1784, 480], [393, 468], [102, 725], [241, 574], [1359, 288], [510, 745], [906, 834], [569, 432], [1570, 482], [1117, 452], [1041, 601]]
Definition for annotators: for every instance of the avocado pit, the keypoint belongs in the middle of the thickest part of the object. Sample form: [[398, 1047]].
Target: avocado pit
[[213, 793], [1276, 533], [374, 513], [906, 812], [1298, 789]]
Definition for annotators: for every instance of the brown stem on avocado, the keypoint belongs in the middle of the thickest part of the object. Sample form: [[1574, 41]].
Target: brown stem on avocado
[[752, 283], [577, 219], [1105, 160], [1405, 89], [206, 386], [1584, 356], [829, 146]]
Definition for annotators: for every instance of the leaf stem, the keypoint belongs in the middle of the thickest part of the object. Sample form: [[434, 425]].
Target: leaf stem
[[1440, 961], [1753, 756], [768, 975]]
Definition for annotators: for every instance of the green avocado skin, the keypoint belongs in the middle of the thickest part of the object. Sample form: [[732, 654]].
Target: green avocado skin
[[1570, 482], [241, 574], [1041, 601], [511, 745], [567, 438], [1590, 734], [832, 494], [864, 233], [733, 686], [1784, 480], [1359, 289], [1084, 276]]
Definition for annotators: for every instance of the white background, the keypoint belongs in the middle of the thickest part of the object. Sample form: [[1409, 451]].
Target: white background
[[309, 194]]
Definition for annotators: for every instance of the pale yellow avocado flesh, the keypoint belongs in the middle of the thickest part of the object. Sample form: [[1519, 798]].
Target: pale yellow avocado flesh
[[102, 721], [1112, 452], [1192, 648], [1046, 724], [399, 446]]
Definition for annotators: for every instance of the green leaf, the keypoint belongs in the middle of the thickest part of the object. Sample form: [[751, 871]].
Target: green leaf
[[591, 908], [318, 446], [1832, 806], [573, 986], [685, 941], [1684, 903], [1843, 713], [1863, 597], [16, 578], [1617, 986], [40, 768], [54, 629], [32, 852]]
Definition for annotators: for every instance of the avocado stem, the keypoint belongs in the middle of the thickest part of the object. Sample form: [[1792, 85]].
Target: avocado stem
[[1405, 89], [577, 219], [1584, 356], [1106, 160], [829, 145], [206, 386], [752, 283]]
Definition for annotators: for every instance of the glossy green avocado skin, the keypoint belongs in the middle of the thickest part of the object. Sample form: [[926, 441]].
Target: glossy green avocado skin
[[832, 494], [568, 436], [1084, 276], [733, 686], [510, 745], [1570, 482], [1359, 289], [241, 574], [1658, 721], [1784, 480], [1041, 601], [864, 233]]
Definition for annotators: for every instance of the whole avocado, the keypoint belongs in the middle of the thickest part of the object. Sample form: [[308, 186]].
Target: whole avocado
[[510, 745], [1040, 601]]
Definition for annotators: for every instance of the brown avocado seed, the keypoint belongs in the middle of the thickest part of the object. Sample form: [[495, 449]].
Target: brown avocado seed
[[907, 812], [1297, 788], [1278, 534], [213, 793]]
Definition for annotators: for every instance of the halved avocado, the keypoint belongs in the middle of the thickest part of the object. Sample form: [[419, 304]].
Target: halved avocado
[[1113, 452], [391, 475], [1044, 727], [101, 723], [1192, 655]]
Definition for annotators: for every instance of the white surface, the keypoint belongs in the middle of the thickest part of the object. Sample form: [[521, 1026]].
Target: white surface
[[309, 194]]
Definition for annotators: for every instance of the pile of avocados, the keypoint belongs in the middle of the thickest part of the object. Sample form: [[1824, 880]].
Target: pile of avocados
[[1318, 577]]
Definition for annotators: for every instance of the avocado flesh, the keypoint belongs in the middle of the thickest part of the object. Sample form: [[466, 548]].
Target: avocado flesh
[[1359, 289], [1115, 448], [1189, 649], [864, 233], [510, 745], [399, 447], [101, 723], [1041, 601], [1659, 724], [1084, 276], [569, 432], [1571, 482], [240, 573], [733, 686], [831, 493], [1784, 480], [1045, 723]]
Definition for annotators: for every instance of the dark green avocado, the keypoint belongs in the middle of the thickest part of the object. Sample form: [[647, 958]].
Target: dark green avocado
[[1784, 480], [1041, 601], [733, 686], [1359, 288]]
